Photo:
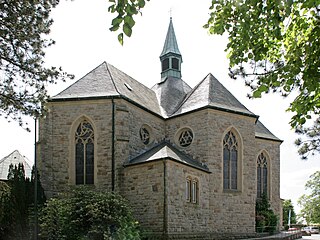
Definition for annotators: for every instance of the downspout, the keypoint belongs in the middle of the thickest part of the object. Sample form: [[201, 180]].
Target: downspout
[[113, 148], [165, 202]]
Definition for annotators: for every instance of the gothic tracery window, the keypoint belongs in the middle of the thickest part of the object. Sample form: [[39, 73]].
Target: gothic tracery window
[[144, 135], [262, 175], [84, 153], [230, 162], [185, 137]]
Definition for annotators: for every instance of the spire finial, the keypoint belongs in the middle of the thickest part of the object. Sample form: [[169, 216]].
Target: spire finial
[[170, 12]]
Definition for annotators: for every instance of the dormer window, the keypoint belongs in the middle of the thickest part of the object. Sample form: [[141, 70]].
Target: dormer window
[[175, 63], [165, 64]]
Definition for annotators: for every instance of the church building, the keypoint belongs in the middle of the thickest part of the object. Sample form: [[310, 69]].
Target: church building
[[191, 161]]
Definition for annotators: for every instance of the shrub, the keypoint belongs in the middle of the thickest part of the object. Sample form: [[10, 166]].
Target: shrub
[[87, 214], [266, 220]]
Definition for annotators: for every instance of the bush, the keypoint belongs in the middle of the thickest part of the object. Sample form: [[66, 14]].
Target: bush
[[266, 220], [87, 214]]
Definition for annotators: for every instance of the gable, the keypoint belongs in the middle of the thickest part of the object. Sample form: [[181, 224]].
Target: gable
[[14, 158], [211, 93], [106, 81], [165, 150]]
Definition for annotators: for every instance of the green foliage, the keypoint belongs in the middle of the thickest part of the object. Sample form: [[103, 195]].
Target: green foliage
[[286, 207], [125, 11], [309, 143], [310, 203], [274, 46], [6, 206], [266, 220], [24, 25], [16, 203], [87, 214]]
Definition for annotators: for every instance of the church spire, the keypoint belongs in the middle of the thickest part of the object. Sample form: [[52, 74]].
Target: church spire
[[170, 57]]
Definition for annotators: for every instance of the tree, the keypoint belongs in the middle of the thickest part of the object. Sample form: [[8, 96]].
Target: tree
[[274, 45], [23, 74], [310, 203], [286, 208], [87, 214], [266, 220]]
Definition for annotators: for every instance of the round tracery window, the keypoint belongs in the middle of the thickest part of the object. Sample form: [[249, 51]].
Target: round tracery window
[[184, 137], [145, 134]]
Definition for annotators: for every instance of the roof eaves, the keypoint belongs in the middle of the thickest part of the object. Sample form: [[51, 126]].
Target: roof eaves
[[167, 158], [269, 139], [215, 108]]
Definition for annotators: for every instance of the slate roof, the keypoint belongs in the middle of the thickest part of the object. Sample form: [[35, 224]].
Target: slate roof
[[106, 81], [211, 93], [170, 92], [14, 158], [166, 150], [263, 132]]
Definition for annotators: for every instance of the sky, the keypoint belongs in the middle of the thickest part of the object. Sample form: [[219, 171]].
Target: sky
[[83, 41]]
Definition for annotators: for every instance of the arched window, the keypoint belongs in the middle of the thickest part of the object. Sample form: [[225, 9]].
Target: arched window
[[230, 162], [262, 175], [84, 153]]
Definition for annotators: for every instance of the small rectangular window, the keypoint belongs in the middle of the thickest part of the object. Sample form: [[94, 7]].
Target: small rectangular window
[[165, 64], [188, 190], [175, 63], [194, 192]]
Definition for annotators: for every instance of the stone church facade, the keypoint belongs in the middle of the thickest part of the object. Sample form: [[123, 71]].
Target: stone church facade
[[191, 161]]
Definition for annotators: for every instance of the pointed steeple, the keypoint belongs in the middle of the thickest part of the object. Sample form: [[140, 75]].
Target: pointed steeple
[[170, 57]]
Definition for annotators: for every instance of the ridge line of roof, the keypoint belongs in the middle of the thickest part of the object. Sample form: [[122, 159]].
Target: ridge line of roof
[[189, 94], [107, 66]]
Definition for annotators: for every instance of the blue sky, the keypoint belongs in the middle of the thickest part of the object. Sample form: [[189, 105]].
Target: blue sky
[[83, 41]]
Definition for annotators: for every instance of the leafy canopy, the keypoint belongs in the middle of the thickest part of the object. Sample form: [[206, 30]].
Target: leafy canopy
[[23, 74], [310, 203], [275, 46]]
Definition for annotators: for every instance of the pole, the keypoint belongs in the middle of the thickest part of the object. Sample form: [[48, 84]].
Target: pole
[[35, 183], [289, 218]]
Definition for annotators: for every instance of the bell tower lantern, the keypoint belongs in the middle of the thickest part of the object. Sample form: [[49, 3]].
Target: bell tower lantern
[[170, 57]]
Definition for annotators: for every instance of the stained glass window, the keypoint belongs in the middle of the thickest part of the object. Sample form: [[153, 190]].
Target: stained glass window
[[262, 175], [230, 162], [84, 153]]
